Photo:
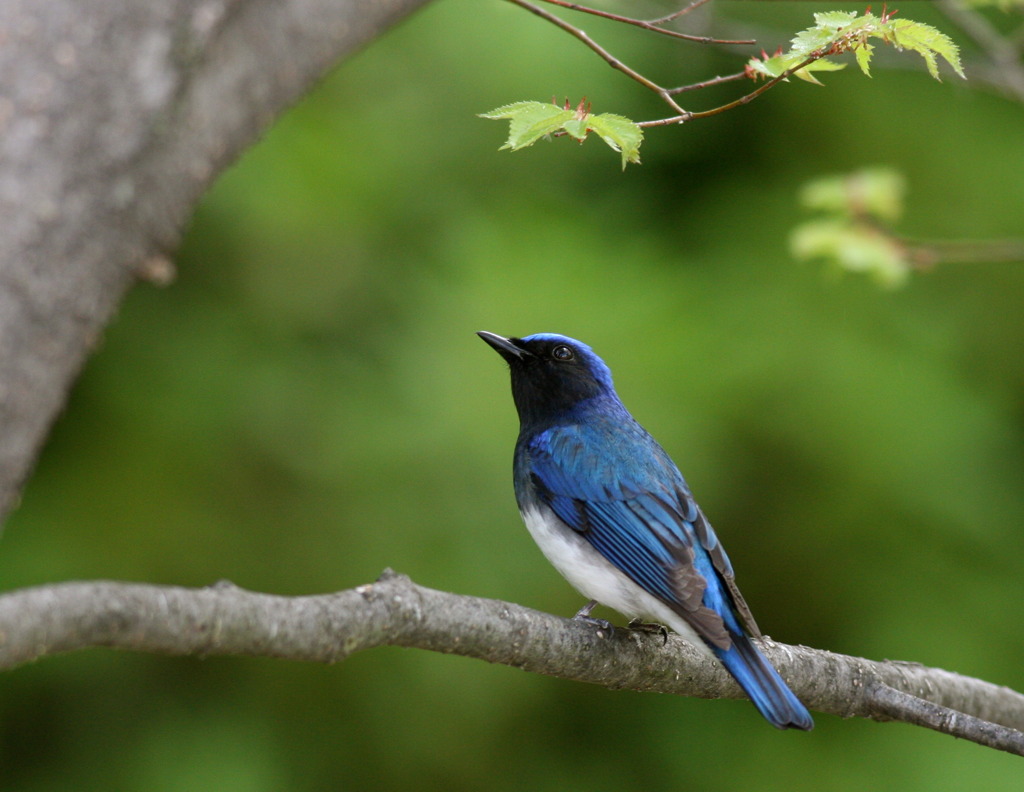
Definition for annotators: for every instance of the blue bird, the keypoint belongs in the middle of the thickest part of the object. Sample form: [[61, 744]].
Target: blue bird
[[613, 514]]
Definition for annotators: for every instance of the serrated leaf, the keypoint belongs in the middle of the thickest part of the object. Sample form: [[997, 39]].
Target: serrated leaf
[[827, 28], [836, 32], [779, 64], [807, 72], [621, 134], [927, 42], [530, 121], [863, 55], [834, 19]]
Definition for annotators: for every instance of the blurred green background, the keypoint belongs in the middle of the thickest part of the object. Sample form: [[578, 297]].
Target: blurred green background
[[308, 405]]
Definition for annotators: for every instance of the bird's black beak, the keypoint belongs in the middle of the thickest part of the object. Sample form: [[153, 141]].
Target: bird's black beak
[[504, 346]]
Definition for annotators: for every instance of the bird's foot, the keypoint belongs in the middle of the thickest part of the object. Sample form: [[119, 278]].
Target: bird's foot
[[650, 627], [583, 615]]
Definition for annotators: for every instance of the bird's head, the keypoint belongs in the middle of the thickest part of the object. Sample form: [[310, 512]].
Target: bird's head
[[551, 374]]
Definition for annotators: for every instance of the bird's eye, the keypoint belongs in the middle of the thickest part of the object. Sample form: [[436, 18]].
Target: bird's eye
[[562, 353]]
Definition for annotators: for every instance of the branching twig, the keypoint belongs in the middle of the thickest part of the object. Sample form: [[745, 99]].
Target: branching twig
[[654, 27], [612, 61], [708, 83], [891, 704], [666, 94], [676, 14], [689, 116], [394, 611], [1003, 52]]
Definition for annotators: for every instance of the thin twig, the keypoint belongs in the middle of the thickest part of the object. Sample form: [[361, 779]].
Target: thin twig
[[689, 116], [708, 83], [652, 26], [927, 254], [612, 61], [666, 94], [677, 14]]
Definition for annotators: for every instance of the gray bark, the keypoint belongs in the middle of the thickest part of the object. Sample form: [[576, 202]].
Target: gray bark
[[114, 119], [394, 611]]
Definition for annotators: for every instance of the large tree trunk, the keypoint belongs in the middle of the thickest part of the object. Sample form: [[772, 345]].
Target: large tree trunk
[[114, 119]]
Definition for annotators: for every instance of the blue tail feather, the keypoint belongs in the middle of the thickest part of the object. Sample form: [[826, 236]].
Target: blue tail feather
[[759, 679]]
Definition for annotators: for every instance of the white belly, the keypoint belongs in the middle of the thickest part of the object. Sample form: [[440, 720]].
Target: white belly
[[596, 578]]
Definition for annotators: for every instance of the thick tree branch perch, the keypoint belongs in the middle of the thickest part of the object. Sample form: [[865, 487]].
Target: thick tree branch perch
[[394, 611], [114, 119]]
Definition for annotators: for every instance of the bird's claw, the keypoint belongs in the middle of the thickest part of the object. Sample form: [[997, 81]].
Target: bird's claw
[[601, 624], [583, 615]]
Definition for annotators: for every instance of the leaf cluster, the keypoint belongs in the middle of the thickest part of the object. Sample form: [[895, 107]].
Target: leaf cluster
[[838, 32], [833, 33], [530, 121], [850, 231]]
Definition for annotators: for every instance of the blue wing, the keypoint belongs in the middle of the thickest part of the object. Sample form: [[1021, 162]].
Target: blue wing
[[632, 504]]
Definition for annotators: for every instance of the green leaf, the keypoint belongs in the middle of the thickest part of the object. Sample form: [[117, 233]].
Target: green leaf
[[530, 121], [872, 192], [927, 42], [852, 234], [778, 64], [863, 55], [852, 247], [621, 134], [828, 27], [836, 32]]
